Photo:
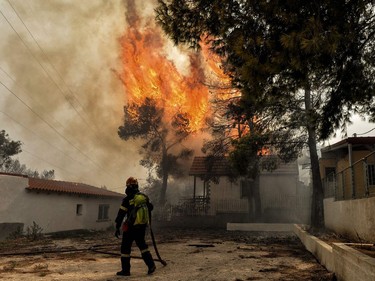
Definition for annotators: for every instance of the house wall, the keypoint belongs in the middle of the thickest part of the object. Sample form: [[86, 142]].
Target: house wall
[[283, 197], [345, 176], [52, 212], [225, 197], [358, 178], [354, 218], [324, 163]]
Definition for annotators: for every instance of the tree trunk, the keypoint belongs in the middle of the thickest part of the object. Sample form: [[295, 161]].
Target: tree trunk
[[164, 185], [317, 209]]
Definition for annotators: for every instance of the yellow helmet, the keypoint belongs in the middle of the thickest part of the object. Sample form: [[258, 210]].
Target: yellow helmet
[[131, 181]]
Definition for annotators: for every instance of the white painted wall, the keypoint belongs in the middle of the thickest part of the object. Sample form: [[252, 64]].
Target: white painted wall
[[282, 187], [53, 212], [351, 217], [227, 194]]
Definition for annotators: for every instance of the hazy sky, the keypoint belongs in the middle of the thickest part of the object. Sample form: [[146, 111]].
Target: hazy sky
[[59, 94]]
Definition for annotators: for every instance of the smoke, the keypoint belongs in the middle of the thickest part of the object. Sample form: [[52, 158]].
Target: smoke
[[60, 89], [63, 100]]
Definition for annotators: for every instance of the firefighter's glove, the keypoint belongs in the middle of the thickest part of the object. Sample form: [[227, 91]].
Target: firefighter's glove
[[117, 233]]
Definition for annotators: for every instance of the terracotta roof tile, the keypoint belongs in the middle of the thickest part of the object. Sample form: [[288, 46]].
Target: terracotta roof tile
[[201, 166], [69, 187]]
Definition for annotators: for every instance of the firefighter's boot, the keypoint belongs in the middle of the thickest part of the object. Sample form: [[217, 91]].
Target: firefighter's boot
[[125, 267], [149, 261]]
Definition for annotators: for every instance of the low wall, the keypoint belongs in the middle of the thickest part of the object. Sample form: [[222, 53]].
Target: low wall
[[352, 218], [218, 221], [351, 264], [7, 229], [321, 250], [271, 227], [346, 262]]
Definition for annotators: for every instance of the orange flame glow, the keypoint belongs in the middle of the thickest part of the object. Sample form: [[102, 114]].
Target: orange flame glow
[[148, 73]]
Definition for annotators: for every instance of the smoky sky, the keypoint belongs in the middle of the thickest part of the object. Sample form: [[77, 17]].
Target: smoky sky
[[59, 94]]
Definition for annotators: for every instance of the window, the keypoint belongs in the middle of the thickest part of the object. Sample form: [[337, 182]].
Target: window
[[103, 212], [79, 210], [330, 173], [371, 174]]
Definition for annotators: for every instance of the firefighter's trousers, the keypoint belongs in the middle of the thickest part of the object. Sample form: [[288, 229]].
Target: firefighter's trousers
[[135, 233]]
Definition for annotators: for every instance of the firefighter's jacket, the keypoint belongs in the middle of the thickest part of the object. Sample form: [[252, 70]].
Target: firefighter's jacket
[[136, 209]]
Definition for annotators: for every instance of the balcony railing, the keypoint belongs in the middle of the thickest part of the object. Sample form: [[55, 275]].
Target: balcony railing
[[354, 182]]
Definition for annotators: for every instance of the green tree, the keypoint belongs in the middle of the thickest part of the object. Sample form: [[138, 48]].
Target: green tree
[[310, 63], [161, 148], [8, 148], [16, 167]]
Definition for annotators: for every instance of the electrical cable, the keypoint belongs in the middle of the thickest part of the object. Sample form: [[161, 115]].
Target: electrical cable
[[32, 154], [55, 130], [25, 92], [365, 132], [32, 132], [46, 72], [59, 74]]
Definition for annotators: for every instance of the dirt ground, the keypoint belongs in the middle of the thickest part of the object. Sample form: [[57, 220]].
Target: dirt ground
[[190, 255]]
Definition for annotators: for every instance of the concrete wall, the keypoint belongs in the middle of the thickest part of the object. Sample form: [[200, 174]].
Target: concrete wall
[[354, 218], [51, 211]]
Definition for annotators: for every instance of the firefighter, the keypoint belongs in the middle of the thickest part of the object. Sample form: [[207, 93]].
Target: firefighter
[[136, 207]]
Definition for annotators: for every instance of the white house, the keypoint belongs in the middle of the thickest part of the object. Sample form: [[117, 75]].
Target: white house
[[55, 205], [283, 197]]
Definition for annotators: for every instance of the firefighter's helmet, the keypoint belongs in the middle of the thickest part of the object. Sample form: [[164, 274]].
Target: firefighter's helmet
[[131, 186], [131, 181]]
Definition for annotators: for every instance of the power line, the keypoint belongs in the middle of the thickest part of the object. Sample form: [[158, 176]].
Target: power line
[[26, 128], [49, 76], [54, 165], [54, 68], [365, 132], [24, 91], [54, 129]]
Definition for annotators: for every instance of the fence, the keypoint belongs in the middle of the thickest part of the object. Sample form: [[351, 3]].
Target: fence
[[355, 181], [276, 208], [197, 206]]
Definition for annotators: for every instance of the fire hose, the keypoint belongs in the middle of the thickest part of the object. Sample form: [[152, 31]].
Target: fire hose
[[95, 248], [100, 251], [163, 262]]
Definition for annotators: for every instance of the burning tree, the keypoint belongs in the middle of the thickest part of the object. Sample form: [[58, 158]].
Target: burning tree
[[252, 140], [161, 140], [312, 62]]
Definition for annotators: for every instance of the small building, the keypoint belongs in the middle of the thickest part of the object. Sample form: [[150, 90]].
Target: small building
[[55, 205], [283, 197], [348, 168], [348, 173]]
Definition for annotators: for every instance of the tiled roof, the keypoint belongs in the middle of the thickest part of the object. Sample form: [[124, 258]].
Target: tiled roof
[[220, 167], [43, 185], [204, 165]]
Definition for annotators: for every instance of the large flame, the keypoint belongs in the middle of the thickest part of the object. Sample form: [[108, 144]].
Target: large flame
[[149, 73]]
